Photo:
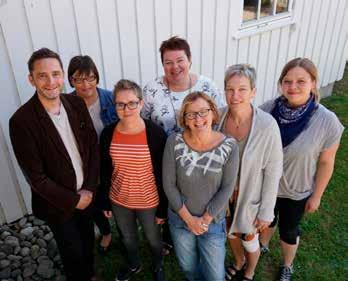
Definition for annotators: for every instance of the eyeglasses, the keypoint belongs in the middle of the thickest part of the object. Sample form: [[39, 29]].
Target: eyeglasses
[[79, 80], [193, 115], [122, 106]]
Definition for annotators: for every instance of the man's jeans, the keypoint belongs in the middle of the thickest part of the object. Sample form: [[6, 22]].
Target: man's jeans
[[201, 257]]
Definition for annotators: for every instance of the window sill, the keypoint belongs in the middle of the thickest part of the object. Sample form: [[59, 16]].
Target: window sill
[[253, 28]]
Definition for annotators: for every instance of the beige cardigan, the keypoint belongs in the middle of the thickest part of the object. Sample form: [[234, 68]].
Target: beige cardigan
[[260, 172]]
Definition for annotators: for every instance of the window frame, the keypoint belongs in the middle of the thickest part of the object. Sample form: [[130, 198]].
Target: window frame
[[263, 24]]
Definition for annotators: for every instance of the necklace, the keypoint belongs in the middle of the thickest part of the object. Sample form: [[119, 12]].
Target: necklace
[[171, 99]]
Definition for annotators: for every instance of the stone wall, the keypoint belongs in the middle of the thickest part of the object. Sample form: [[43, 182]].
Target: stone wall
[[28, 252]]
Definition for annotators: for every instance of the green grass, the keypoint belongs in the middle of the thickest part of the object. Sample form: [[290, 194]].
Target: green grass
[[322, 254]]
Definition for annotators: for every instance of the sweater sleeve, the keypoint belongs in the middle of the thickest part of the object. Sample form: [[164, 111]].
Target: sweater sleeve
[[229, 178], [272, 174], [169, 176]]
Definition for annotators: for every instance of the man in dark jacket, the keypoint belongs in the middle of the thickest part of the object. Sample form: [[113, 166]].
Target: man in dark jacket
[[57, 149]]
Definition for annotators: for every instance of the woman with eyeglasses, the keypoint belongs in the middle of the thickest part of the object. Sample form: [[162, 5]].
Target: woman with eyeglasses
[[310, 137], [260, 168], [200, 168], [83, 75], [131, 178]]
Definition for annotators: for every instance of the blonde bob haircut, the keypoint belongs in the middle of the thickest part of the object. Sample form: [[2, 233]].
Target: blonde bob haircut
[[309, 67], [191, 98]]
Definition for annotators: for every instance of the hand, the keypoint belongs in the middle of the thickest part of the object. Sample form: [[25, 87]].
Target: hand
[[312, 204], [159, 220], [107, 214], [197, 225], [261, 225], [86, 197]]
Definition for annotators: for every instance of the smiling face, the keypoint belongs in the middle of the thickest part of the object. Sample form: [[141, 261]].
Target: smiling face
[[239, 93], [297, 85], [199, 107], [85, 85], [47, 77], [176, 66], [128, 97]]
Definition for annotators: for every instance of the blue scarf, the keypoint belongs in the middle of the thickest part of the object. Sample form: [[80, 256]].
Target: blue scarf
[[292, 121]]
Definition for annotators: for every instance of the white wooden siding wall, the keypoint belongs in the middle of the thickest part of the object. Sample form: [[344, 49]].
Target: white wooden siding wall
[[123, 38]]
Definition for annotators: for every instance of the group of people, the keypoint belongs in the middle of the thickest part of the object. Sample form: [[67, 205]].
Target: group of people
[[193, 167]]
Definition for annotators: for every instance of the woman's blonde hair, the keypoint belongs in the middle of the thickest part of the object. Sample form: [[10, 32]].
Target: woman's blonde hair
[[192, 97], [308, 66]]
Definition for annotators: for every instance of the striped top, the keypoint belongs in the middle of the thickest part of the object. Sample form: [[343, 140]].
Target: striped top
[[133, 182]]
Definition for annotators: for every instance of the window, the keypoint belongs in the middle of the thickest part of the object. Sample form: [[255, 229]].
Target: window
[[257, 16], [258, 9]]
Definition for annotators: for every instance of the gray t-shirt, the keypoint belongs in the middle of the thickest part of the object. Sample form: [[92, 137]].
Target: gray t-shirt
[[203, 181], [94, 111], [302, 155]]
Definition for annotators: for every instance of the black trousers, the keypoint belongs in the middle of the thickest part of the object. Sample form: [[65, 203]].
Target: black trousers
[[75, 241], [101, 221]]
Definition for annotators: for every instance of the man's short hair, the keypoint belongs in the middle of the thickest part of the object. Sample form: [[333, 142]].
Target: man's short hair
[[43, 53]]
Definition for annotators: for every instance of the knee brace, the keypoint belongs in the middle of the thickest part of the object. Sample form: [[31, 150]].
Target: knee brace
[[289, 236]]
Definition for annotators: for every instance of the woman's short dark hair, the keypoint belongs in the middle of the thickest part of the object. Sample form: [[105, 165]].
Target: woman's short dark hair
[[43, 53], [84, 65], [175, 43]]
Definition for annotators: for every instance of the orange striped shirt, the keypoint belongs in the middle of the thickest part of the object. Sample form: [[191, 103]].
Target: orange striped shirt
[[133, 182]]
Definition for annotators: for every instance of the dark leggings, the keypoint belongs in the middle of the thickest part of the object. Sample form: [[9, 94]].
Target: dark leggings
[[126, 219], [288, 213]]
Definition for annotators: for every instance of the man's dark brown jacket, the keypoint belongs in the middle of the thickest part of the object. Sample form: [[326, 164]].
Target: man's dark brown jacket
[[45, 161]]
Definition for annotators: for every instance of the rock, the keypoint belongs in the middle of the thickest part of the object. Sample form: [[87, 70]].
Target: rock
[[4, 263], [15, 273], [26, 244], [42, 252], [19, 278], [25, 251], [2, 255], [45, 269], [31, 218], [38, 222], [15, 265], [48, 236], [5, 273], [12, 241], [42, 243], [52, 248], [14, 258], [56, 258], [27, 231], [26, 259], [29, 270], [38, 233], [5, 248], [22, 222], [35, 251], [17, 250], [4, 235], [32, 239]]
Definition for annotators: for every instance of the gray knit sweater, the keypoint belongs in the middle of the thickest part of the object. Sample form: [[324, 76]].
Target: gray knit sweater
[[203, 181]]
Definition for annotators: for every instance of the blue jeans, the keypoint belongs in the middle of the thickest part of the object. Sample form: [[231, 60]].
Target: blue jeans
[[201, 257]]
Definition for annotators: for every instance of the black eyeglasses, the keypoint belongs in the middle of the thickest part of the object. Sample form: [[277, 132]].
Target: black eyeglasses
[[131, 105], [79, 80], [193, 115]]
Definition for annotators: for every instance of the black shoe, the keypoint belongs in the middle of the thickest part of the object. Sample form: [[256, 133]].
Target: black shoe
[[285, 273], [159, 275], [127, 273]]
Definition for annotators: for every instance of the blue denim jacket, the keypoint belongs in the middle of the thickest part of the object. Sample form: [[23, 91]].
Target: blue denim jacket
[[107, 107]]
